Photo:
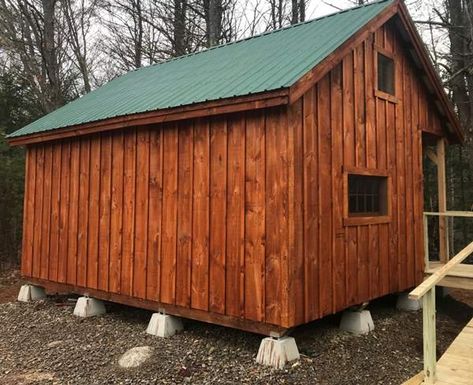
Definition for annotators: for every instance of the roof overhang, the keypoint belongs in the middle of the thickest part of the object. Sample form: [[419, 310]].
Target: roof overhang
[[223, 106]]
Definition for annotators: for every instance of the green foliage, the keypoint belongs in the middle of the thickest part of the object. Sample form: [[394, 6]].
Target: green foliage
[[11, 200], [17, 108]]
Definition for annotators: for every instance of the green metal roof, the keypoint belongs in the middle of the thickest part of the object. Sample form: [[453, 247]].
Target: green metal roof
[[261, 63]]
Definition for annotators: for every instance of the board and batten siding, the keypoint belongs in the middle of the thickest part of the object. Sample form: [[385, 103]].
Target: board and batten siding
[[191, 213], [240, 215], [341, 124]]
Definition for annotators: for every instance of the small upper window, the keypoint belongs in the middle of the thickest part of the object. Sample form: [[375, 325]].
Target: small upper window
[[385, 74], [367, 195]]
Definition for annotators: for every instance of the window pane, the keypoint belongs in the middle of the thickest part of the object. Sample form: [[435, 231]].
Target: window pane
[[385, 74], [366, 195]]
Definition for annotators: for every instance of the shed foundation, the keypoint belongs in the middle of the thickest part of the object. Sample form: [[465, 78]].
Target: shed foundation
[[357, 322], [30, 293], [89, 307], [164, 325], [277, 352]]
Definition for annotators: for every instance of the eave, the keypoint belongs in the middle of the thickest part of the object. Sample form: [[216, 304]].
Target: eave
[[223, 106]]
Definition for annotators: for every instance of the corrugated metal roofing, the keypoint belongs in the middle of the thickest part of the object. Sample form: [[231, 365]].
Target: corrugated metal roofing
[[261, 63]]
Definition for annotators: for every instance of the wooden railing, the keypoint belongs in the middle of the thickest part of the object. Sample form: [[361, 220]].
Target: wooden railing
[[426, 291], [444, 247]]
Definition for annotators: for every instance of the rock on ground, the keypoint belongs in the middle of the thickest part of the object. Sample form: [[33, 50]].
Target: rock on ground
[[135, 357]]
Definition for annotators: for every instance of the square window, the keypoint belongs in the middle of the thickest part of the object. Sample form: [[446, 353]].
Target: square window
[[385, 74], [367, 195]]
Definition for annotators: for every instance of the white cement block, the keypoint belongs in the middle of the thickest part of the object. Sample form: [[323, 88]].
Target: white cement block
[[406, 304], [89, 307], [277, 352], [31, 293], [357, 322], [164, 325]]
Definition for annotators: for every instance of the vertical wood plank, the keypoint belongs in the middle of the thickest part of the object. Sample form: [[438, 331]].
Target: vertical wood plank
[[46, 217], [325, 197], [349, 159], [296, 259], [169, 222], [141, 213], [359, 104], [235, 263], [311, 206], [200, 217], [184, 228], [155, 214], [73, 225], [116, 211], [64, 212], [383, 230], [55, 207], [255, 217], [104, 214], [218, 212], [409, 130], [29, 212], [370, 104], [338, 245], [364, 282], [129, 207], [82, 235], [94, 209], [276, 284], [394, 242]]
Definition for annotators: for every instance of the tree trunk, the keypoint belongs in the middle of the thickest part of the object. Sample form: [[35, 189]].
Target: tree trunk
[[50, 55], [179, 27], [214, 15]]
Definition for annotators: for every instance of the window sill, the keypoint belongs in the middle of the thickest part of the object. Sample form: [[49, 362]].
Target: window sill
[[360, 221], [386, 96]]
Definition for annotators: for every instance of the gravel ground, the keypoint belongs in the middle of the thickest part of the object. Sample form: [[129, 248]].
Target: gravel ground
[[43, 343]]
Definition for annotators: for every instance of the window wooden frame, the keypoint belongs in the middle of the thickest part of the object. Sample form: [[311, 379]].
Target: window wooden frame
[[357, 220], [377, 92]]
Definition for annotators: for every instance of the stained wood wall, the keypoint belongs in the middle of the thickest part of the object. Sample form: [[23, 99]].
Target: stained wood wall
[[239, 215], [340, 123]]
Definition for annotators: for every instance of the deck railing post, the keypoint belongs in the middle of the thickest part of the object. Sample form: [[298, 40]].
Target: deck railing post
[[430, 338], [426, 240]]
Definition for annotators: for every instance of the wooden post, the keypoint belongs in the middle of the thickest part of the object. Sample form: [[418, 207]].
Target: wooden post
[[442, 196], [430, 340], [426, 241]]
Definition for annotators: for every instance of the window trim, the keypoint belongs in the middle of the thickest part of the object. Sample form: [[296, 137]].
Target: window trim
[[377, 92], [358, 220]]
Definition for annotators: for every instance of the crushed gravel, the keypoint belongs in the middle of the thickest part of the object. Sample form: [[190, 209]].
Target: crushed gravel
[[43, 343]]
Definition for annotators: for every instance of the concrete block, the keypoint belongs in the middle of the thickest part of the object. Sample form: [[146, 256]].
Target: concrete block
[[277, 352], [357, 322], [407, 304], [89, 307], [31, 293], [164, 325]]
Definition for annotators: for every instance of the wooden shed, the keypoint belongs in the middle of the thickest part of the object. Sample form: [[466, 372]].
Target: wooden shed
[[259, 185]]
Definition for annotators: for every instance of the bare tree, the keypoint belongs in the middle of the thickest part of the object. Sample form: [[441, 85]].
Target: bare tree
[[126, 33], [33, 38], [79, 17], [298, 11]]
